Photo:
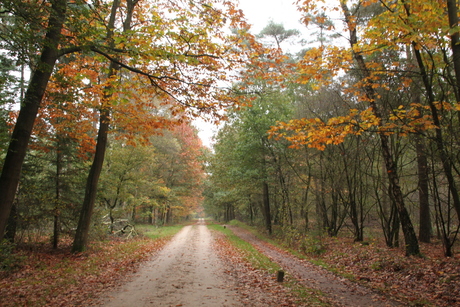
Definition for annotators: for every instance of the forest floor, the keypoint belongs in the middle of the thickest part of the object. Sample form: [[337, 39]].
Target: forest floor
[[335, 290], [199, 267], [383, 274]]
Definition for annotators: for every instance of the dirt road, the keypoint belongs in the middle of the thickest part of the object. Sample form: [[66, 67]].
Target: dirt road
[[185, 273], [188, 272]]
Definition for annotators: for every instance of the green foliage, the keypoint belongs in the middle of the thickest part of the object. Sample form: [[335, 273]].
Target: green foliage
[[245, 157], [155, 232], [278, 33], [37, 201], [9, 260], [312, 245]]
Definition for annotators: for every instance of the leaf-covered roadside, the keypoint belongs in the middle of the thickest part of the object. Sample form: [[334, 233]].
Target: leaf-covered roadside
[[60, 278], [255, 276], [432, 280]]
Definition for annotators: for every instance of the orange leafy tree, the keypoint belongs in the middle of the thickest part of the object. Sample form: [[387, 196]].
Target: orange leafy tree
[[408, 24], [187, 172]]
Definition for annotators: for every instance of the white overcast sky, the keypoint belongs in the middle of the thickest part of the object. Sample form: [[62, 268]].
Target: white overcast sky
[[258, 13]]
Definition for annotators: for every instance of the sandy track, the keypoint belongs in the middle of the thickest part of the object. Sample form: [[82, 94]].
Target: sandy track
[[185, 273]]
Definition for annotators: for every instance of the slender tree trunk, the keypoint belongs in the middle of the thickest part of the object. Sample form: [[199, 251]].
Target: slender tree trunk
[[452, 11], [84, 223], [56, 228], [168, 215], [425, 229], [251, 210], [266, 207], [305, 206], [17, 149], [354, 214], [412, 246], [150, 218]]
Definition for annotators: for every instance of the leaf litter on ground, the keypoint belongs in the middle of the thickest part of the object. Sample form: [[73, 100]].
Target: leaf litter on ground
[[59, 278]]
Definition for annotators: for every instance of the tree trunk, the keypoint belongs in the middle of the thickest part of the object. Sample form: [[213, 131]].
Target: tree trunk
[[17, 149], [56, 226], [150, 218], [251, 211], [425, 229], [452, 12], [168, 215], [411, 241], [266, 207], [81, 236], [305, 206], [84, 223]]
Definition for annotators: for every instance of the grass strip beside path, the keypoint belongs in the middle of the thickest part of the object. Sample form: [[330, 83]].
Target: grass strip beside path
[[262, 276]]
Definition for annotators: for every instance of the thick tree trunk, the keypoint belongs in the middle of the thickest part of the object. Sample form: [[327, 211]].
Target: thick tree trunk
[[17, 149], [11, 227]]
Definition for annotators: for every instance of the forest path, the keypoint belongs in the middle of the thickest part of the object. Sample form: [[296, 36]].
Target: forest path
[[187, 272], [338, 291]]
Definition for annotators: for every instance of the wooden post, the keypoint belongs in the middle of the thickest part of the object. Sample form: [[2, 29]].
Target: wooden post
[[280, 276]]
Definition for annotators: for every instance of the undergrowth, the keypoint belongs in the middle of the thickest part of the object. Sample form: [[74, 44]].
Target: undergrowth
[[155, 232]]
